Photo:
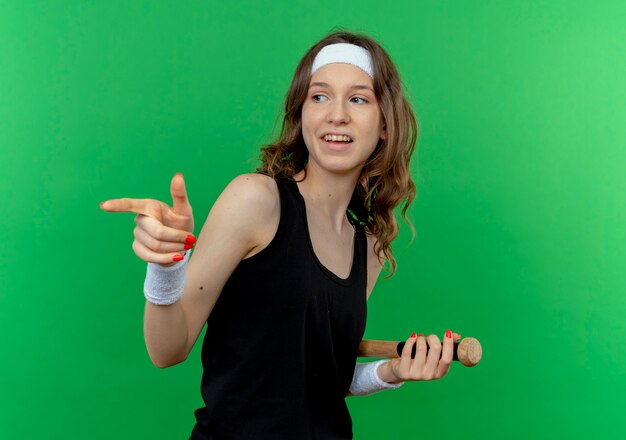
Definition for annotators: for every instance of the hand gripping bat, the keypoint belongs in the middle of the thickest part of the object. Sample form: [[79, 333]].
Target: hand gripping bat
[[468, 350]]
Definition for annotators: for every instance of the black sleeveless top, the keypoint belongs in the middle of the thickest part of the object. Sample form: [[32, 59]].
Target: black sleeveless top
[[281, 342]]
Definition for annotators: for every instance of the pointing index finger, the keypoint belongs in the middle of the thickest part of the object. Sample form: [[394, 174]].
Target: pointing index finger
[[138, 206]]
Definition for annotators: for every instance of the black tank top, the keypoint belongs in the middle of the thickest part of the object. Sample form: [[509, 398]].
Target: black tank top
[[281, 342]]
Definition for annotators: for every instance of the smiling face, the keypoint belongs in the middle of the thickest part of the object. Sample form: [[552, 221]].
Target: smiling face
[[341, 119]]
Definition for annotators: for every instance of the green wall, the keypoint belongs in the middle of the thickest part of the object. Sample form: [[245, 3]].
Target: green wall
[[520, 212]]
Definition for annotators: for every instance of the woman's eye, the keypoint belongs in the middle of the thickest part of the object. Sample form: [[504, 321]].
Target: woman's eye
[[362, 100], [318, 98]]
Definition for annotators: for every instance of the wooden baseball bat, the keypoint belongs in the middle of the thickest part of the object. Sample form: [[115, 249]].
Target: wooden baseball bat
[[468, 350]]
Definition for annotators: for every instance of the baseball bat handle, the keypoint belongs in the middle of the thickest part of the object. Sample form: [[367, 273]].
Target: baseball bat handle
[[468, 351]]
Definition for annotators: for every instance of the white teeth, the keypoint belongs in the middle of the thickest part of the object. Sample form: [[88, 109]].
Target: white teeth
[[337, 138]]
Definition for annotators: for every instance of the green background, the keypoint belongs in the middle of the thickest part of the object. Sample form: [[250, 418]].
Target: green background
[[519, 215]]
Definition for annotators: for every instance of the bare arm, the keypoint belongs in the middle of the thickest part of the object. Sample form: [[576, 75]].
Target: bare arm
[[242, 221]]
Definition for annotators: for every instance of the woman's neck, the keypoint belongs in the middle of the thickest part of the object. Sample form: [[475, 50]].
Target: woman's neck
[[328, 193]]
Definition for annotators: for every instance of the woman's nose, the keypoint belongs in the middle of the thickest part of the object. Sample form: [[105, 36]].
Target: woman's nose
[[337, 113]]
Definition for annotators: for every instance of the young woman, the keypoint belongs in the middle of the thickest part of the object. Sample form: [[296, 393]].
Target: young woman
[[288, 256]]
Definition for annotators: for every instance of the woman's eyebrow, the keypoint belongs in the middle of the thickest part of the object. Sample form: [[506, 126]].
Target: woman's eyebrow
[[354, 87]]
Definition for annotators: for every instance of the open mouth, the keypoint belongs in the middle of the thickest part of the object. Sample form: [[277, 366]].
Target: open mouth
[[337, 138]]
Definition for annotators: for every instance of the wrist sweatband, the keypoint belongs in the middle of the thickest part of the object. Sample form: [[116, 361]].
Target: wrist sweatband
[[366, 380], [344, 53], [165, 284]]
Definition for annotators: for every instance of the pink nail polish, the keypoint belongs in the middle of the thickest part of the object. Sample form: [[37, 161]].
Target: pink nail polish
[[178, 257], [413, 334], [189, 245], [420, 335], [448, 333]]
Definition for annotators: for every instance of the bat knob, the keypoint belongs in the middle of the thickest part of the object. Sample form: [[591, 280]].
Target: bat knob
[[469, 352]]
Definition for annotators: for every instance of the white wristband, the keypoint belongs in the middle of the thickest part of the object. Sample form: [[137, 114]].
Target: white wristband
[[165, 284], [366, 380]]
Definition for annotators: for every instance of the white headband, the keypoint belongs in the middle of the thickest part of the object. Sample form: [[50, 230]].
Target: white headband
[[344, 53]]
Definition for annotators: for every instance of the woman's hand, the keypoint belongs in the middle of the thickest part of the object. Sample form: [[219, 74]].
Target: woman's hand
[[430, 363], [162, 231]]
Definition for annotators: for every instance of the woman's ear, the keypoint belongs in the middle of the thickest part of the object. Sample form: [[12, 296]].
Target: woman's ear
[[383, 132]]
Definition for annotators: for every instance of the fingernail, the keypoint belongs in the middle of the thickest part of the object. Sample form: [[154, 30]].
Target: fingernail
[[413, 335], [421, 334], [189, 245], [178, 257], [101, 203], [181, 174], [190, 239], [448, 334]]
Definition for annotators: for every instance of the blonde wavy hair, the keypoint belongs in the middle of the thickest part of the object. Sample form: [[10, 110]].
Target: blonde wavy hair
[[385, 181]]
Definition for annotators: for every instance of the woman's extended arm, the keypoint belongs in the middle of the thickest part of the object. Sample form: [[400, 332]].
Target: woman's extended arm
[[242, 221]]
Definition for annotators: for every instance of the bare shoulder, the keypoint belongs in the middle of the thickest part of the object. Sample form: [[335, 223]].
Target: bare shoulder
[[243, 218], [249, 205], [374, 263], [255, 182], [252, 194], [254, 188]]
